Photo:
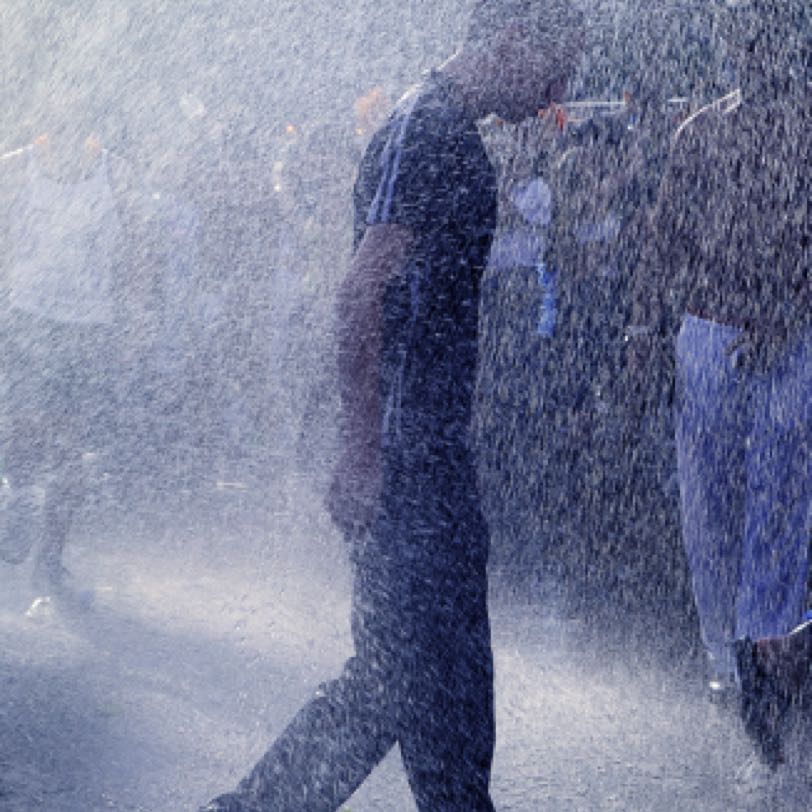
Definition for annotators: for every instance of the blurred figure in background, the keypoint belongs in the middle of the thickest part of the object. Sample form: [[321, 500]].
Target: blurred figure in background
[[605, 183], [77, 286], [518, 323], [575, 189], [595, 183], [729, 266], [319, 172], [205, 388]]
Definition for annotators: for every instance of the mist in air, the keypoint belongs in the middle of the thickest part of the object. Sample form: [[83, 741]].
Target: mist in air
[[209, 591]]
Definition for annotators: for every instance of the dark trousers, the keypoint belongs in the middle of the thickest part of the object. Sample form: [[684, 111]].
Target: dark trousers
[[421, 677]]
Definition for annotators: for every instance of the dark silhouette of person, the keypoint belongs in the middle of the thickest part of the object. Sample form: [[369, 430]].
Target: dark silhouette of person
[[405, 490], [729, 263]]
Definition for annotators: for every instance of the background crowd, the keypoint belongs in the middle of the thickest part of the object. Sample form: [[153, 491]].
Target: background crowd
[[188, 174], [239, 155]]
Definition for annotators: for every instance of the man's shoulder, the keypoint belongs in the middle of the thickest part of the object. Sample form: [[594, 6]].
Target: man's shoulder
[[427, 133], [426, 115]]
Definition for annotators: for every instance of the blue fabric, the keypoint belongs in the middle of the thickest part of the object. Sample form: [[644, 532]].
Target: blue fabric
[[744, 444]]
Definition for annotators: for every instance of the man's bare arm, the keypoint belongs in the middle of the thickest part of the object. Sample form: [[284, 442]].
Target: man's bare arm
[[382, 255], [355, 493]]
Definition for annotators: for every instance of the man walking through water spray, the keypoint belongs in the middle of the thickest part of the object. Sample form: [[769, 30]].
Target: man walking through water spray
[[730, 258], [405, 491]]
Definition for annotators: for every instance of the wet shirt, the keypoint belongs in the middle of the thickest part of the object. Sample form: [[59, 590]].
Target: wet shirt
[[426, 169], [732, 225]]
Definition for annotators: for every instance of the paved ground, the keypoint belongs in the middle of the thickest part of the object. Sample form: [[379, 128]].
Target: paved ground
[[205, 622]]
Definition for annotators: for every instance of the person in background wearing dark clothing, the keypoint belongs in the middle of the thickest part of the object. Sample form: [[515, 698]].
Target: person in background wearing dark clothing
[[730, 256], [595, 185], [405, 491]]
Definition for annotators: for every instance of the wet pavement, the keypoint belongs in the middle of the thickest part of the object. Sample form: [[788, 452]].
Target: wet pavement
[[199, 626]]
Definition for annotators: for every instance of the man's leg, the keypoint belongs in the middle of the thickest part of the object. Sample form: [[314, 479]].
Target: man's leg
[[78, 407], [23, 462], [710, 433], [779, 496], [323, 755], [338, 738], [446, 715]]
